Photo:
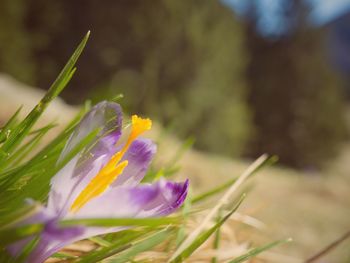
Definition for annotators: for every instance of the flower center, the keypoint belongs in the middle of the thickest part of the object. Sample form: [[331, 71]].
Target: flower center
[[107, 175]]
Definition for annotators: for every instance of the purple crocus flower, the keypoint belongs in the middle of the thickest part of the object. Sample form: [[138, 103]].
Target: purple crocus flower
[[103, 181]]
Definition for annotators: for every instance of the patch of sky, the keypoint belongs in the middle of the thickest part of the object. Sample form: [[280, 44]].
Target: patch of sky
[[272, 17]]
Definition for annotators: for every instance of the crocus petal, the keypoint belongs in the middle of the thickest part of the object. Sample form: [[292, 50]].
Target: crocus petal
[[65, 188], [148, 200], [67, 183], [39, 216], [171, 196], [105, 115], [139, 156], [54, 238]]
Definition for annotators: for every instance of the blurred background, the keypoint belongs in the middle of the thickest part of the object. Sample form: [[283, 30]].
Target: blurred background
[[244, 77]]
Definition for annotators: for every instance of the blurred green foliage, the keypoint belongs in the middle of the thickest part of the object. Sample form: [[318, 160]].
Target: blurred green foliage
[[189, 64], [190, 61], [15, 50], [295, 95], [181, 62]]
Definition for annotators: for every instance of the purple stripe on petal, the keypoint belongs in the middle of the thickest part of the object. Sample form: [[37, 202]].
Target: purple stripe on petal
[[50, 245], [105, 115], [67, 183], [170, 197], [54, 238], [116, 202], [66, 188], [147, 200], [139, 156]]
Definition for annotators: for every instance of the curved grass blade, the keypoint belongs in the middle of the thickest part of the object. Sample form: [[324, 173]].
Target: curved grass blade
[[13, 234], [118, 246], [63, 256], [21, 130], [28, 248], [100, 241], [112, 222], [185, 214], [142, 246], [7, 128], [20, 154], [256, 251], [217, 237], [250, 170], [203, 236], [18, 215], [200, 197], [213, 191], [38, 186]]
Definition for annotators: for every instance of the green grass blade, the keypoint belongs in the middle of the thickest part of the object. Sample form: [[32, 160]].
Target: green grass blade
[[171, 166], [142, 246], [37, 187], [20, 154], [220, 203], [28, 248], [13, 234], [112, 222], [37, 166], [256, 251], [18, 215], [41, 158], [116, 247], [203, 236], [6, 130], [181, 151], [63, 256], [185, 214], [213, 191], [34, 183], [217, 239], [200, 197], [20, 132], [100, 241]]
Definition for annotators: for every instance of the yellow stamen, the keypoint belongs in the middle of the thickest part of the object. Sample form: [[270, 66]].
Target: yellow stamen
[[97, 186], [113, 168]]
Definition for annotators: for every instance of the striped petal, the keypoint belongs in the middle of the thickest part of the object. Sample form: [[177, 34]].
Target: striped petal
[[139, 156], [151, 200], [148, 200], [54, 238], [67, 183]]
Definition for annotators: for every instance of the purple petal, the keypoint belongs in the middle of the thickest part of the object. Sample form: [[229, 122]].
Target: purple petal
[[139, 156], [65, 188], [105, 115], [54, 238], [171, 196], [51, 239], [68, 183], [40, 216], [148, 200]]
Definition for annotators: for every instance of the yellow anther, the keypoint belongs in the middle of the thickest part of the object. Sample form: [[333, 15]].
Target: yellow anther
[[107, 175], [140, 125]]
